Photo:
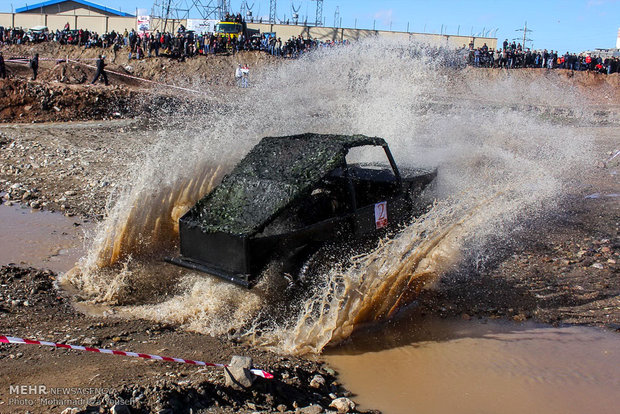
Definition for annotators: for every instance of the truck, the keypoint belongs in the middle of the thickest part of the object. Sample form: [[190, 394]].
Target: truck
[[293, 192]]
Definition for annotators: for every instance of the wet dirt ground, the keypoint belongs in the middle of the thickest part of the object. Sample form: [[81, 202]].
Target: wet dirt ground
[[565, 272]]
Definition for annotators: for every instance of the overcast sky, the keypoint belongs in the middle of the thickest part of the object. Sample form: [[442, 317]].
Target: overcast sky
[[564, 25]]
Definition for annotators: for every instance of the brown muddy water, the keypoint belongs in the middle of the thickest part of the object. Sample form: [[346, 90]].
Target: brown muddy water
[[40, 238], [454, 366]]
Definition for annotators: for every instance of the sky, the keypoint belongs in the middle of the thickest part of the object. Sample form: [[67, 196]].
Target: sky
[[564, 25]]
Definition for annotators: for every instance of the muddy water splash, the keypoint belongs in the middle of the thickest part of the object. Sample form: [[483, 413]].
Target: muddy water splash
[[499, 164]]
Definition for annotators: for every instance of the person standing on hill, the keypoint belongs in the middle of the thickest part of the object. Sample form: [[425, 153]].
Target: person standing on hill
[[34, 65], [2, 67], [245, 74], [100, 71], [238, 75]]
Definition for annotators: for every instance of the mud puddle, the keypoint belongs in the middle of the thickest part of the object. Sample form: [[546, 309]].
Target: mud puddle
[[40, 239], [441, 366]]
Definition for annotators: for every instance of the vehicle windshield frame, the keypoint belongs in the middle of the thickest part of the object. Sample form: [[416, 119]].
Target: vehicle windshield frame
[[232, 28]]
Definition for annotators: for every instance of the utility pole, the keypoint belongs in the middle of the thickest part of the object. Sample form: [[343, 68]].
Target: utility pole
[[272, 11], [319, 13], [525, 30], [336, 16]]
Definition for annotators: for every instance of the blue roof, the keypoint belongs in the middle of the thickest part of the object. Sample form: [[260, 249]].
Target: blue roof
[[35, 7]]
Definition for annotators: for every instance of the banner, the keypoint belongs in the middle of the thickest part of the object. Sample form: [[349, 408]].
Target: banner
[[143, 23], [201, 25]]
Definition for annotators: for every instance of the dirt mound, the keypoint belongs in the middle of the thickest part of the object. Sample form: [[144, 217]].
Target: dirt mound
[[69, 73], [62, 91], [39, 101], [596, 87], [197, 71], [25, 101]]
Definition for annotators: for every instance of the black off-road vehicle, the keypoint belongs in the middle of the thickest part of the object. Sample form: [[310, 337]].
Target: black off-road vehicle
[[296, 191]]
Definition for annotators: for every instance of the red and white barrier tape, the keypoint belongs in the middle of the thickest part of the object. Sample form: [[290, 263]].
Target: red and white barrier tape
[[140, 79], [13, 340]]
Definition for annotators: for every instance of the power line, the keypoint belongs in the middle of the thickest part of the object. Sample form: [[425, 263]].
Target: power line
[[272, 11], [319, 13], [525, 30]]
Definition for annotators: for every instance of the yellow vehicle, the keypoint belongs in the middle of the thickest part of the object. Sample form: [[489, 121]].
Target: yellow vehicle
[[231, 30]]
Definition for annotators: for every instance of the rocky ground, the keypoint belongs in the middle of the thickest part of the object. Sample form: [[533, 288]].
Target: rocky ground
[[567, 274], [30, 306], [69, 167], [562, 268]]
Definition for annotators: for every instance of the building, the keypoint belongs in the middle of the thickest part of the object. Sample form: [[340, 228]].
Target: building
[[79, 14], [71, 8]]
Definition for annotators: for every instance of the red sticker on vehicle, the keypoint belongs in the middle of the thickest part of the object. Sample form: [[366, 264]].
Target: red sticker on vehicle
[[381, 219]]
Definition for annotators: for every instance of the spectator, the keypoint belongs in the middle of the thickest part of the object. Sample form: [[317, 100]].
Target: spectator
[[34, 65], [245, 74], [238, 75], [2, 67], [100, 71]]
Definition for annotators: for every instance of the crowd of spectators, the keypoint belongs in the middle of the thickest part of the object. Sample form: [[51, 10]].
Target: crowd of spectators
[[184, 43], [180, 45], [513, 55]]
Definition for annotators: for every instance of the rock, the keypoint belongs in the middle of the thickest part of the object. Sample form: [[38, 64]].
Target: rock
[[90, 341], [120, 409], [70, 193], [597, 266], [519, 318], [311, 409], [251, 406], [317, 381], [281, 408], [70, 410], [343, 405], [465, 317], [238, 374]]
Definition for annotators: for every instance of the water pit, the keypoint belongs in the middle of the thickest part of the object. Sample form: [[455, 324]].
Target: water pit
[[39, 238], [444, 366]]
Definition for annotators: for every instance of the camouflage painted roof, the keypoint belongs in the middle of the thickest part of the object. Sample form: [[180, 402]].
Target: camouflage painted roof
[[273, 174]]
